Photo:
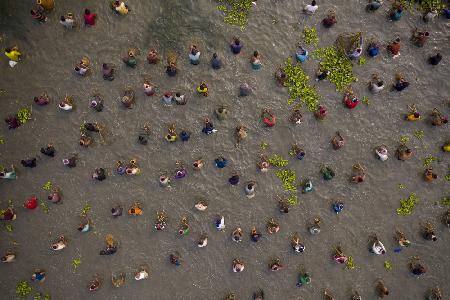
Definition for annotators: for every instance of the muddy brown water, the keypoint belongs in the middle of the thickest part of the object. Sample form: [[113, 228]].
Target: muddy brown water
[[50, 52]]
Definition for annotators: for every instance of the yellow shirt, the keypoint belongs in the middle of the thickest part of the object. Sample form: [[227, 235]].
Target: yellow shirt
[[122, 9], [13, 55]]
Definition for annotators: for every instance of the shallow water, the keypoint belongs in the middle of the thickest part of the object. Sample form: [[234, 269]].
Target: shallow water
[[50, 52]]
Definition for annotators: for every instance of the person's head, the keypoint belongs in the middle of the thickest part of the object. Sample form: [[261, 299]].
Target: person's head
[[104, 66], [87, 12], [178, 94], [255, 53], [214, 55], [63, 19], [438, 55], [397, 40], [7, 49], [313, 3], [237, 41]]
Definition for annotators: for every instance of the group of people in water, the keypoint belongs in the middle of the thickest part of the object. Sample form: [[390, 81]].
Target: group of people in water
[[83, 68]]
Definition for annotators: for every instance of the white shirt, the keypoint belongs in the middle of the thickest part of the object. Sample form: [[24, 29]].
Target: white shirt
[[311, 9]]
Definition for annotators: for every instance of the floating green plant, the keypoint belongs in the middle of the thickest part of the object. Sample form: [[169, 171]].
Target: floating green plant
[[419, 134], [23, 289], [44, 206], [340, 67], [277, 161], [407, 205], [350, 265], [263, 145], [404, 139], [288, 178], [47, 186], [401, 186], [236, 11], [447, 177], [310, 35], [423, 5], [8, 227], [2, 140], [429, 160], [40, 296], [292, 199], [76, 263], [387, 265], [361, 61], [85, 210], [24, 114], [299, 89], [445, 201], [365, 100]]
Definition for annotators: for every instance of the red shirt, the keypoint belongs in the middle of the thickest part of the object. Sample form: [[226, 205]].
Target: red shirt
[[31, 203], [89, 19]]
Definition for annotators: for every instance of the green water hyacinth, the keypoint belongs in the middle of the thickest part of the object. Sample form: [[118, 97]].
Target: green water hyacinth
[[277, 161], [288, 178], [236, 11], [299, 89], [429, 160], [340, 67], [85, 210], [407, 205], [361, 61], [23, 289], [387, 265], [24, 114], [292, 199], [44, 206], [424, 5], [47, 186], [76, 263], [310, 35], [445, 201], [350, 264], [419, 134]]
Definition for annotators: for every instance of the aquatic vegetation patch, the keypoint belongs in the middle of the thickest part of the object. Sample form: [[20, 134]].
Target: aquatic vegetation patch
[[23, 289], [445, 201], [387, 265], [236, 11], [263, 145], [292, 199], [424, 5], [288, 178], [419, 134], [340, 67], [277, 161], [310, 35], [298, 86], [47, 186], [76, 263], [401, 186], [85, 210], [365, 100], [2, 140], [404, 139], [44, 206], [429, 160], [350, 264], [361, 61], [8, 227], [24, 114], [407, 205], [39, 296], [447, 177]]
